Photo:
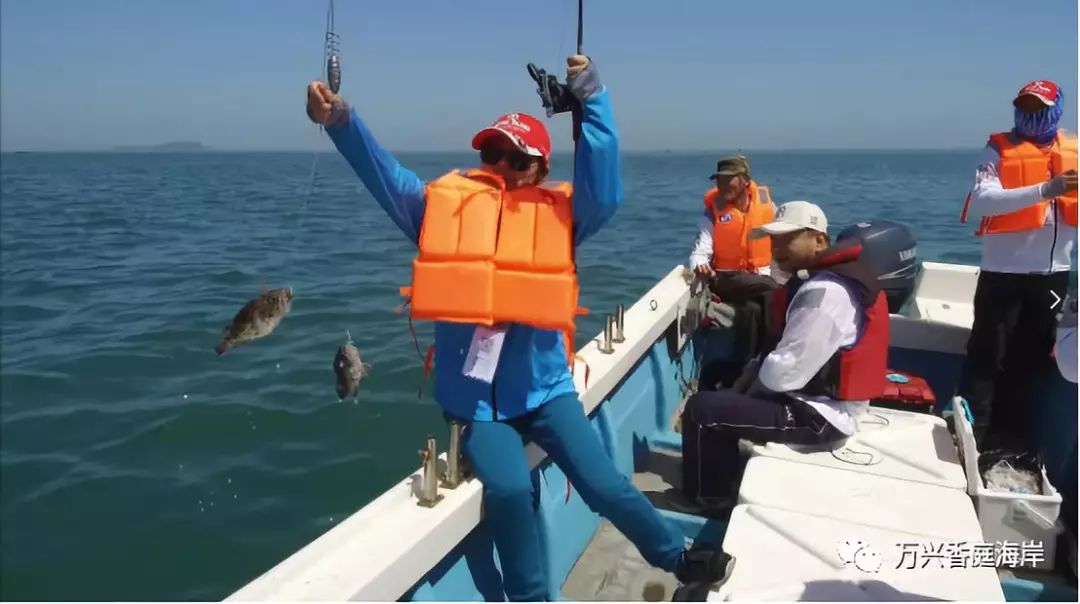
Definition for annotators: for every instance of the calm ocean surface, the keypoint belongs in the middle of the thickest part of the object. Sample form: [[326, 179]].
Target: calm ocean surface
[[138, 465]]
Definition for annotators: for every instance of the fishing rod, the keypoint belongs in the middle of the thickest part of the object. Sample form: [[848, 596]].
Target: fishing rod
[[580, 22], [554, 95]]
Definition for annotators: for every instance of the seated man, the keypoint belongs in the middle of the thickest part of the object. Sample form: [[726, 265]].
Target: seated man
[[734, 207], [734, 265], [824, 360]]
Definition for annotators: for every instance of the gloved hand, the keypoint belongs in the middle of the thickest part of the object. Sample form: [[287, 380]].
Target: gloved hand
[[575, 64], [581, 77], [1059, 185]]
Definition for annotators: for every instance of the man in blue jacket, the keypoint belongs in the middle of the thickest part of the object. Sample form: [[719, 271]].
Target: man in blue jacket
[[511, 382]]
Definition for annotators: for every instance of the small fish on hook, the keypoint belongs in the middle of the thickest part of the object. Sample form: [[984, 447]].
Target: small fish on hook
[[350, 369]]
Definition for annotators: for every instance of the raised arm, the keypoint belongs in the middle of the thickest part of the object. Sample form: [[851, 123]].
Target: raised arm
[[397, 189], [597, 170]]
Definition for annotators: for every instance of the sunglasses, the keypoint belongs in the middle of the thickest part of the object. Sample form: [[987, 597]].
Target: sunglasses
[[518, 161]]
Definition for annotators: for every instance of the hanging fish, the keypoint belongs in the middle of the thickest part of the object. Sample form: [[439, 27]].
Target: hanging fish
[[257, 319], [350, 370]]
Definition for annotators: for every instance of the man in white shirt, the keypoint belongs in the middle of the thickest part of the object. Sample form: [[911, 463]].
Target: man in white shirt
[[800, 392], [1025, 200]]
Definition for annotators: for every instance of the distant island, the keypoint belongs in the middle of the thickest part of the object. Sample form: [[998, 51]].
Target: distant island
[[173, 147]]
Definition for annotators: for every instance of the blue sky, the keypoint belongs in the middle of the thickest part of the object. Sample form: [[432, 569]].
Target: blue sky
[[684, 74]]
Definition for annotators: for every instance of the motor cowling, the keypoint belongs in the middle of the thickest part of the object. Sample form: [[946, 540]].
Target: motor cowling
[[889, 250]]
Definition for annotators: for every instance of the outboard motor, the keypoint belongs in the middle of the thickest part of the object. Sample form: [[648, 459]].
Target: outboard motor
[[889, 248]]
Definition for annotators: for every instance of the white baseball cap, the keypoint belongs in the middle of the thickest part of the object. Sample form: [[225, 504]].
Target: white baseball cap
[[793, 216]]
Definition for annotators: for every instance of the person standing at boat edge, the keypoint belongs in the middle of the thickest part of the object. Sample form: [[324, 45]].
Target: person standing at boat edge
[[508, 380], [1025, 198]]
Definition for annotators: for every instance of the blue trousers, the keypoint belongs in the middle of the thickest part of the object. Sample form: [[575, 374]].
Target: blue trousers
[[496, 451]]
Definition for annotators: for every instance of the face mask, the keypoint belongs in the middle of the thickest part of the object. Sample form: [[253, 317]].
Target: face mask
[[1041, 126]]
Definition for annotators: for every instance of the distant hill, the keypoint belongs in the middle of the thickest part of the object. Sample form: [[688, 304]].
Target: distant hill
[[173, 147]]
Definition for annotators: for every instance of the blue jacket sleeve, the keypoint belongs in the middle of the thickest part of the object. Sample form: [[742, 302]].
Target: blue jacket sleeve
[[398, 190], [597, 181]]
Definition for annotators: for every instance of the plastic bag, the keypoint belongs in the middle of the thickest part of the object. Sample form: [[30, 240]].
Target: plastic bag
[[1011, 472]]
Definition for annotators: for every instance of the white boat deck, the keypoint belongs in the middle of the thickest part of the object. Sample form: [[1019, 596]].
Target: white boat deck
[[845, 530], [868, 499], [895, 444], [782, 555]]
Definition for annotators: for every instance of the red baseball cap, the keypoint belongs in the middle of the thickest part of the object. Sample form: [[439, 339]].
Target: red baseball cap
[[1044, 90], [524, 130]]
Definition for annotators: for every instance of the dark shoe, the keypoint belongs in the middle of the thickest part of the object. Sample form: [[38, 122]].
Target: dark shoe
[[693, 592], [708, 565], [702, 506]]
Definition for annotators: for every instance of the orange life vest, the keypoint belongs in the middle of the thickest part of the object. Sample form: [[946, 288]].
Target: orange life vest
[[488, 255], [1023, 164], [732, 248]]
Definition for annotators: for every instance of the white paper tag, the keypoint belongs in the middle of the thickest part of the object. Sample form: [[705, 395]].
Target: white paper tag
[[483, 356]]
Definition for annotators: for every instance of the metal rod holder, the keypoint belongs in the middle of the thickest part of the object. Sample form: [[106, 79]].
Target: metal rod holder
[[620, 317], [429, 489], [454, 472], [609, 329]]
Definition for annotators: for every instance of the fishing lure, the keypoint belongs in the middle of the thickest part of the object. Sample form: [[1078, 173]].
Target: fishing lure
[[333, 50]]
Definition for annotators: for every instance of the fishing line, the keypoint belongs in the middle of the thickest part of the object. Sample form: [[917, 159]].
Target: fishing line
[[562, 35], [839, 454], [330, 70], [845, 453]]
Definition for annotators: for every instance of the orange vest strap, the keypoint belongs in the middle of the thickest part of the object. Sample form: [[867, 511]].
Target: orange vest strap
[[429, 358], [963, 212]]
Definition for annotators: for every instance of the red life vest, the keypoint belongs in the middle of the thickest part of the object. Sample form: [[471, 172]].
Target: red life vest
[[856, 372]]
